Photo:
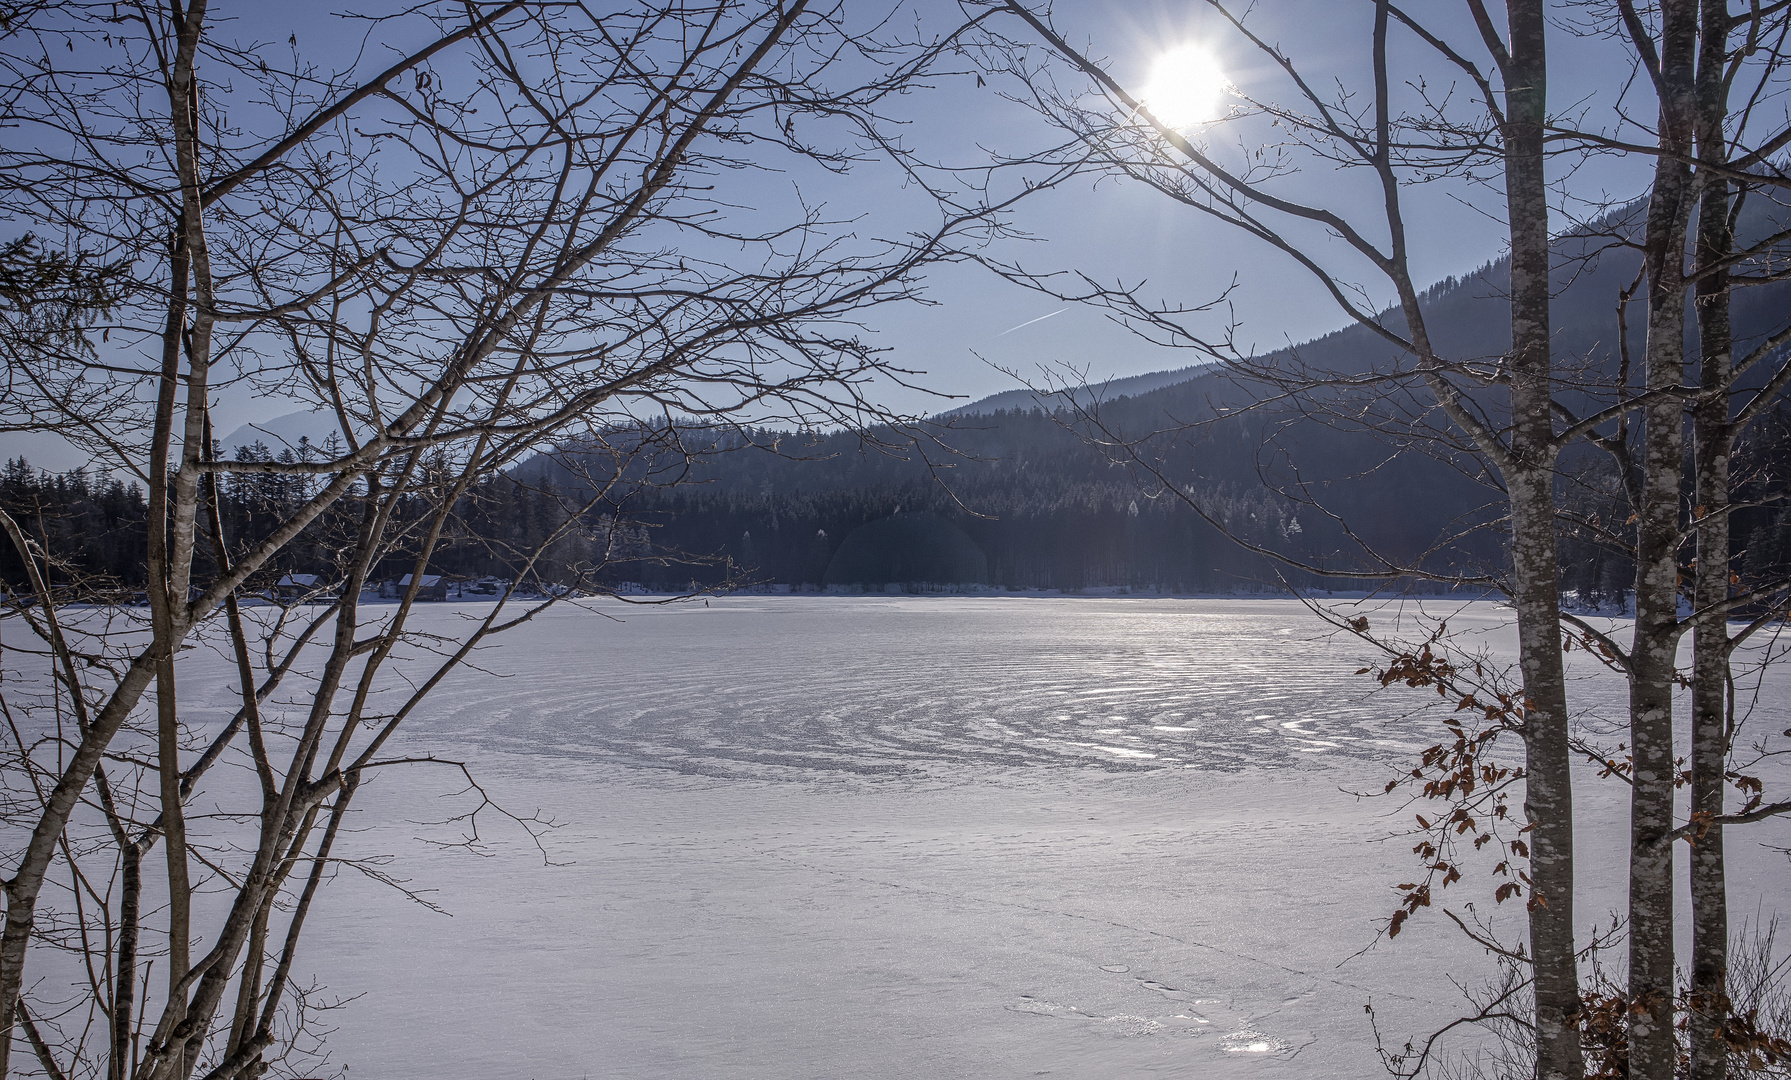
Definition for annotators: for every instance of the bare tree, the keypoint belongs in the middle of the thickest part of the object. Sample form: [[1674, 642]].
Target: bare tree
[[1707, 156], [530, 223], [1117, 132], [1478, 114], [1654, 644]]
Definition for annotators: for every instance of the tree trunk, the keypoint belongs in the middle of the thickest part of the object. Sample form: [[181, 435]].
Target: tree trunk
[[1714, 439], [1651, 982], [1548, 792], [124, 996], [1652, 1049]]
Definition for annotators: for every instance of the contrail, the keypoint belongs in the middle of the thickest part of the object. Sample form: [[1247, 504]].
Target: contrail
[[1029, 322]]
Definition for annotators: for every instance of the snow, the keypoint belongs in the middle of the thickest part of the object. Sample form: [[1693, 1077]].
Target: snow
[[741, 928], [869, 837], [881, 837]]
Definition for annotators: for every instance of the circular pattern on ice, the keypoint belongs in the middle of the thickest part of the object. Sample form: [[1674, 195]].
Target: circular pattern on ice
[[732, 689]]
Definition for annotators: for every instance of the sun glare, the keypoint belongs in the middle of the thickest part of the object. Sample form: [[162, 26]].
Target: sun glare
[[1185, 87]]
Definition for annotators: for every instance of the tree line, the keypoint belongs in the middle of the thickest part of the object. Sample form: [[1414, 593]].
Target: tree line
[[1039, 507]]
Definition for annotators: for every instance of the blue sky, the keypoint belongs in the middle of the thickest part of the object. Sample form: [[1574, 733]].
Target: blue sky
[[1116, 231]]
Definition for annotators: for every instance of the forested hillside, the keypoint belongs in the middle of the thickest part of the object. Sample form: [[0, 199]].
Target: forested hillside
[[1029, 504], [1022, 497], [1031, 498]]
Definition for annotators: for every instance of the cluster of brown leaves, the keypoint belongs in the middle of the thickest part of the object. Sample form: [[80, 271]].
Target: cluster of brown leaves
[[1751, 789], [1604, 1034], [1758, 1050], [1460, 773]]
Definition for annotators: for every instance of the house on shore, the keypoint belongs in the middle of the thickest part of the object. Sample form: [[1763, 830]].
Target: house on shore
[[434, 587], [299, 587]]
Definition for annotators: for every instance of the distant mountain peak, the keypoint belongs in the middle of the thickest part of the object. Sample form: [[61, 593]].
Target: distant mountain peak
[[1026, 399], [284, 432]]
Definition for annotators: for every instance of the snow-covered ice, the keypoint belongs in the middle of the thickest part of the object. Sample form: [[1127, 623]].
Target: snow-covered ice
[[912, 837]]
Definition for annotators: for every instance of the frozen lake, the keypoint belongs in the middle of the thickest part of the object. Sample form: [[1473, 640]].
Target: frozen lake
[[913, 837]]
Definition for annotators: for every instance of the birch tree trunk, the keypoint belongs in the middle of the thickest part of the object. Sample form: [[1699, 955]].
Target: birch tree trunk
[[1535, 566], [1714, 437], [1713, 434], [1653, 654]]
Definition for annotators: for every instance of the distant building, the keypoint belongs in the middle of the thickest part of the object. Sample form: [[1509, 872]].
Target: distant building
[[487, 586], [299, 587], [434, 587]]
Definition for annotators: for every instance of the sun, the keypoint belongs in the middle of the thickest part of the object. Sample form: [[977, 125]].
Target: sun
[[1185, 87]]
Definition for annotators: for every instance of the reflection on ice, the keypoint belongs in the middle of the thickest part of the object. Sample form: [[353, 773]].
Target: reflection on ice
[[1118, 751], [914, 685], [1252, 1042]]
